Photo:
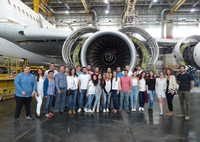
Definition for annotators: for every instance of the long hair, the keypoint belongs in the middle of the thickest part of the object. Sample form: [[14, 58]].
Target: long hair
[[101, 80], [113, 76], [70, 72], [95, 82], [171, 73], [108, 74], [37, 74], [140, 76], [149, 76]]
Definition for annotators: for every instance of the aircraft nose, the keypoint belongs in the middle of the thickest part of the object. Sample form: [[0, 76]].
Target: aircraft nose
[[2, 29]]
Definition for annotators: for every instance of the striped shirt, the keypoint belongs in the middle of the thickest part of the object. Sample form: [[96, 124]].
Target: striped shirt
[[51, 88]]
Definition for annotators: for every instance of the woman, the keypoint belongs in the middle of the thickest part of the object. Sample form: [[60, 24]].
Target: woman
[[134, 91], [115, 89], [150, 87], [142, 89], [107, 87], [91, 92], [72, 89], [39, 93], [49, 92], [160, 91], [170, 88], [98, 92]]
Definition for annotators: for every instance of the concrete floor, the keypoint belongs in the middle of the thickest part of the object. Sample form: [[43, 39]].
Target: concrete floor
[[103, 127]]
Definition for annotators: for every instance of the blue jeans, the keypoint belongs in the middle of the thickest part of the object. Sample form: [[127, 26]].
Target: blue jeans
[[118, 97], [48, 102], [134, 93], [141, 99], [124, 94], [97, 100], [114, 95], [151, 98], [60, 100], [72, 97], [106, 100], [89, 102], [83, 93]]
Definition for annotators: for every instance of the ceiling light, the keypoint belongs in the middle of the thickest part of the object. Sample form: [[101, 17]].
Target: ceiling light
[[67, 12], [183, 20], [192, 10], [145, 21], [106, 1], [154, 0], [107, 11]]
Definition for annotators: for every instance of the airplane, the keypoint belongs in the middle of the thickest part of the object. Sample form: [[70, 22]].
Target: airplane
[[24, 33]]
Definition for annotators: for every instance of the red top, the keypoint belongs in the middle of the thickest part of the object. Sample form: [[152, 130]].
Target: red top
[[125, 83]]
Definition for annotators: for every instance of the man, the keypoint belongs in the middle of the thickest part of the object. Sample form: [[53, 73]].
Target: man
[[66, 97], [109, 71], [25, 87], [139, 70], [96, 71], [186, 83], [119, 73], [61, 87], [52, 68], [130, 73], [78, 70], [89, 69], [126, 86], [67, 70], [83, 85]]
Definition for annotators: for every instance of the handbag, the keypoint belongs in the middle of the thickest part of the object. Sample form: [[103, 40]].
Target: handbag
[[69, 92], [146, 96]]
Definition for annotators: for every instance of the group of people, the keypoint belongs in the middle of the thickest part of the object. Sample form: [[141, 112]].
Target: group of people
[[82, 91]]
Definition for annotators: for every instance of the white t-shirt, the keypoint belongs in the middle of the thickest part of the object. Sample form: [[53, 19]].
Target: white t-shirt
[[92, 89], [46, 75], [40, 84], [108, 85], [130, 73], [84, 78], [134, 82], [142, 83], [115, 83]]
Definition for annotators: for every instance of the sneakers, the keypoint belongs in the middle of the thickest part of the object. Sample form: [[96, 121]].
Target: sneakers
[[79, 110], [107, 110], [140, 109], [85, 110], [93, 109], [161, 113], [15, 120], [134, 109], [104, 110], [127, 110], [187, 118], [97, 110], [181, 116], [29, 118], [119, 110]]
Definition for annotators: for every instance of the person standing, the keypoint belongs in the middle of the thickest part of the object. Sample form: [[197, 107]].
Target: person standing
[[25, 87], [91, 92], [107, 87], [134, 91], [49, 91], [119, 74], [115, 89], [160, 91], [98, 92], [96, 71], [83, 85], [139, 70], [78, 70], [150, 86], [109, 70], [39, 93], [89, 69], [126, 86], [186, 83], [142, 89], [61, 87], [130, 73], [170, 88], [52, 68], [67, 70], [72, 81], [67, 97]]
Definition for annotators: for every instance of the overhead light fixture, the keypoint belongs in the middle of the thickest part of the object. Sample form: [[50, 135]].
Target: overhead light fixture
[[145, 21], [97, 21], [106, 1], [183, 20], [192, 10], [157, 21], [67, 12], [109, 21], [107, 11], [154, 0]]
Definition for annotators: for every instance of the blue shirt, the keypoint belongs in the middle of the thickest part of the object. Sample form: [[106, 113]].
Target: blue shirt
[[24, 82], [79, 73], [61, 80], [120, 74]]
